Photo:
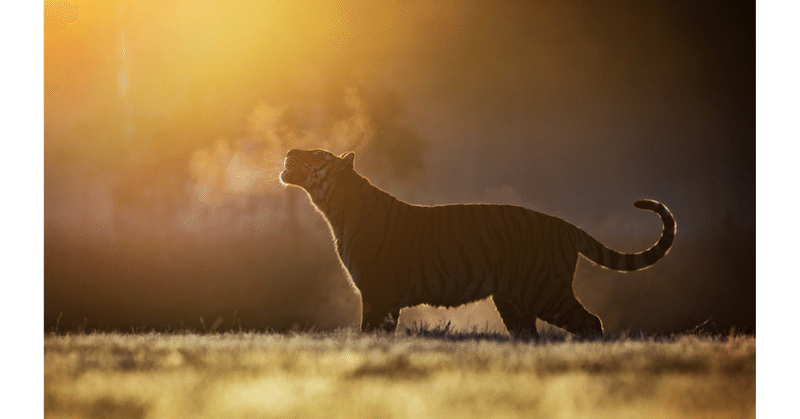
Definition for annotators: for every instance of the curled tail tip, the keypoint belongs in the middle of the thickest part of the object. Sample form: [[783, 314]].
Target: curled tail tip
[[670, 227], [655, 206], [608, 258], [648, 204]]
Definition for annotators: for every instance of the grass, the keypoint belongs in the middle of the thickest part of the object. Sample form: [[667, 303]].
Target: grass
[[420, 374]]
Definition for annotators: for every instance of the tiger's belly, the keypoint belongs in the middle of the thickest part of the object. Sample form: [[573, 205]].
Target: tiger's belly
[[446, 292], [445, 277]]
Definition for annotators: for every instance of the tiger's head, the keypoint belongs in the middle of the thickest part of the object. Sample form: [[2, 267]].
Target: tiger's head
[[314, 170]]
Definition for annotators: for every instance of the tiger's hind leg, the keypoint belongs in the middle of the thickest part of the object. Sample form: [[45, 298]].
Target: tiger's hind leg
[[557, 303], [380, 319], [564, 310], [518, 325]]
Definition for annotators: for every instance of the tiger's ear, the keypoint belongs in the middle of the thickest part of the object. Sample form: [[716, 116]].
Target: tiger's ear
[[348, 159]]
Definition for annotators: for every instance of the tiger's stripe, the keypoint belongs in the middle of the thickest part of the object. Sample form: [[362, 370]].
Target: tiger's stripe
[[399, 255]]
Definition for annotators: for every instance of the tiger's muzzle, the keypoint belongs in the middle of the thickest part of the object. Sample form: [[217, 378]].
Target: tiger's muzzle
[[294, 172]]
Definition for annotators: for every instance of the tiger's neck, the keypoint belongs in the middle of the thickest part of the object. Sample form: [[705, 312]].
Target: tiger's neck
[[348, 202]]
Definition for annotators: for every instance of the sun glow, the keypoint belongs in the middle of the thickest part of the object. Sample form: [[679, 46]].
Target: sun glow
[[155, 67]]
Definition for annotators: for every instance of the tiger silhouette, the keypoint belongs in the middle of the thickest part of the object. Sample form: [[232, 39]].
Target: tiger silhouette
[[400, 255]]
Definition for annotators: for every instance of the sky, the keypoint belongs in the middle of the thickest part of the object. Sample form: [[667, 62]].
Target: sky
[[166, 123]]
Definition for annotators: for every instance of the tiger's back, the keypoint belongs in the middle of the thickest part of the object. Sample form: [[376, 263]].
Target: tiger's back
[[400, 255]]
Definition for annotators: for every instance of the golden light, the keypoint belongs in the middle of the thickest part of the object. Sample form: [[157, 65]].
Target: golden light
[[166, 123]]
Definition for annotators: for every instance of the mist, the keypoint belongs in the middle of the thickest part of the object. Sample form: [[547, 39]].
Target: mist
[[166, 124]]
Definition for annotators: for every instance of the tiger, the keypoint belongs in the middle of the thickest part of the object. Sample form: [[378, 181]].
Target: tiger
[[401, 255]]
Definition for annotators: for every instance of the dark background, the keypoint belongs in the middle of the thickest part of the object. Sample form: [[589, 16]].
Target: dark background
[[166, 124]]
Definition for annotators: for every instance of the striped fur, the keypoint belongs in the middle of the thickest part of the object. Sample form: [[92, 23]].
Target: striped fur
[[400, 255]]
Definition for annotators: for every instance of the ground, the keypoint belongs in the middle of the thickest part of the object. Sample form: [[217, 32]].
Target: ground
[[349, 374]]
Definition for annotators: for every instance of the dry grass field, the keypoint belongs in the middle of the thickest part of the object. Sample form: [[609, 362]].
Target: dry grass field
[[353, 375]]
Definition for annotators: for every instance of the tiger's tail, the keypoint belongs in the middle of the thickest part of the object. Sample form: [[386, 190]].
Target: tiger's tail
[[603, 256]]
